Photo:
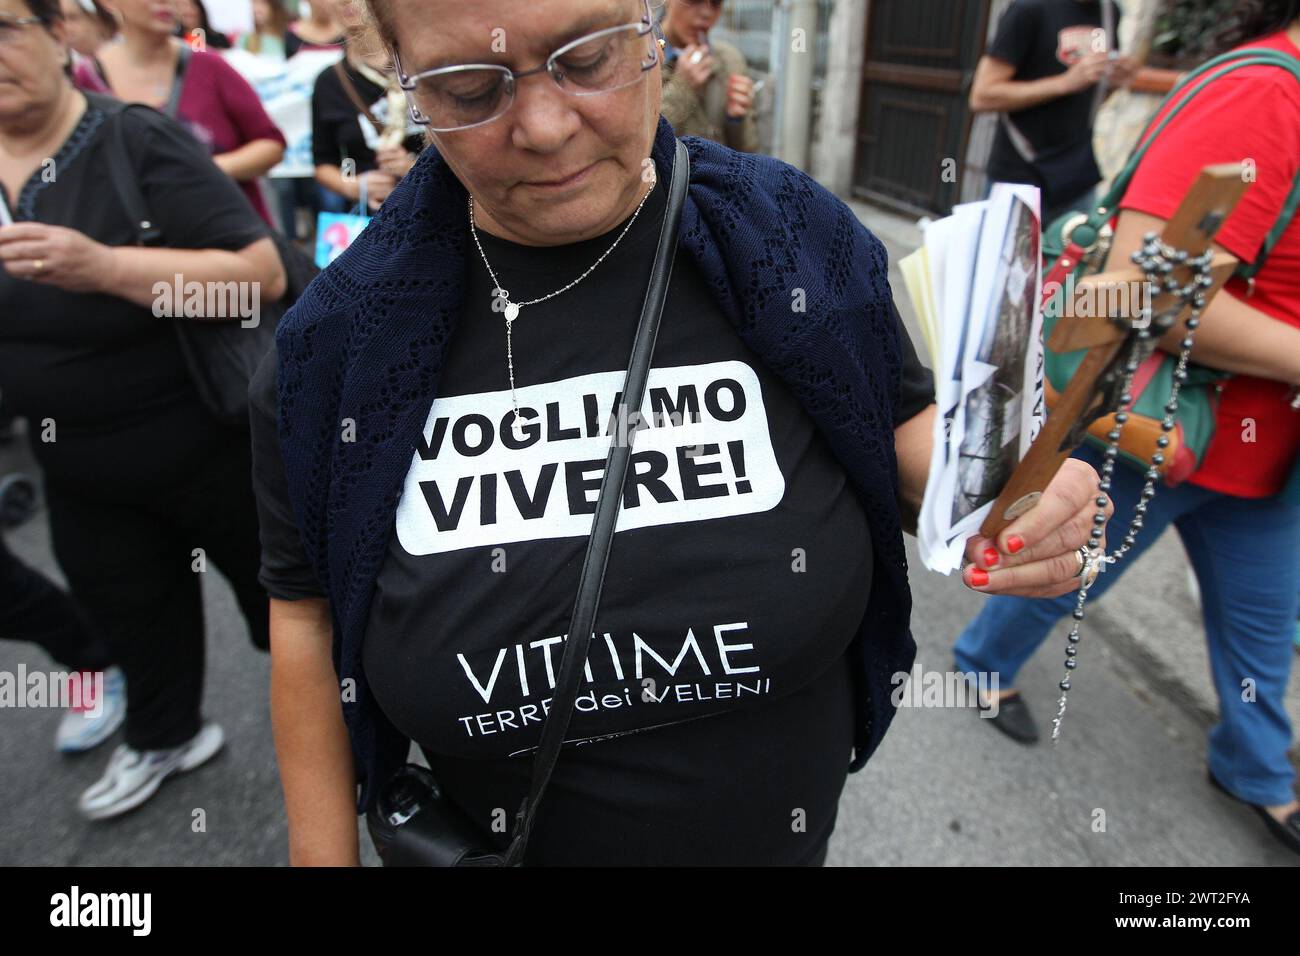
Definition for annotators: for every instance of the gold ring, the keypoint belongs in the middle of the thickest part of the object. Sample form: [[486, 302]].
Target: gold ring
[[39, 265]]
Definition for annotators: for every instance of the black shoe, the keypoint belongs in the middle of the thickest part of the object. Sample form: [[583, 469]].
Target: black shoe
[[1013, 719], [1288, 833]]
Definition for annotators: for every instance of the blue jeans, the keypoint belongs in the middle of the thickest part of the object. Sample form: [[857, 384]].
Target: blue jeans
[[1246, 555]]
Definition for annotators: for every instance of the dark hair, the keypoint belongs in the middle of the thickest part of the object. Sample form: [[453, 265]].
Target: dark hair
[[1252, 19], [106, 20], [47, 11]]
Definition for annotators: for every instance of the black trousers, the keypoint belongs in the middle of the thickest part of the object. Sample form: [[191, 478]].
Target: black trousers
[[136, 521], [34, 609]]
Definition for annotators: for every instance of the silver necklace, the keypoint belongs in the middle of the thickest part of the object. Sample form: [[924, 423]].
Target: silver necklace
[[501, 299], [1156, 260]]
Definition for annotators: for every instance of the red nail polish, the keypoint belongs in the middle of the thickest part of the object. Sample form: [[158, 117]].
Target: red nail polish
[[978, 577], [1015, 543], [991, 556]]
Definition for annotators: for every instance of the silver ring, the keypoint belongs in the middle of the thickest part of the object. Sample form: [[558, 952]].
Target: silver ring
[[1090, 565], [1082, 555]]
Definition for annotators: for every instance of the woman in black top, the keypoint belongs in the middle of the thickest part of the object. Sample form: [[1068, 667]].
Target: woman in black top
[[139, 476], [717, 712], [360, 135]]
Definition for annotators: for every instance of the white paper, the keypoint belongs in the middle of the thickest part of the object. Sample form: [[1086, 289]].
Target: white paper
[[985, 270]]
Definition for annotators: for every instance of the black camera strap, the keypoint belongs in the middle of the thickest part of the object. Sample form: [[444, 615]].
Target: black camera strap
[[583, 621]]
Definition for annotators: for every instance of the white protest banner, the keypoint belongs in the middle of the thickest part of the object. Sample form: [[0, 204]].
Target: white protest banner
[[285, 89], [231, 17]]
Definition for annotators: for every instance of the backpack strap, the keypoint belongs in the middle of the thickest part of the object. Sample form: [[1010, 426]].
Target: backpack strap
[[350, 90], [126, 182], [1085, 234], [178, 84]]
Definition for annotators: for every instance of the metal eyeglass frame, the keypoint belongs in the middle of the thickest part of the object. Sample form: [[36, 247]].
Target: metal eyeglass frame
[[645, 27], [21, 22]]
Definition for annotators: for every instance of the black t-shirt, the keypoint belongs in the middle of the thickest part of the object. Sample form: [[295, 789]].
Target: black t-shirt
[[340, 131], [96, 364], [738, 576], [1041, 38]]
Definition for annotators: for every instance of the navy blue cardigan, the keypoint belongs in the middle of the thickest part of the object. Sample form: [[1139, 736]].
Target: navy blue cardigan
[[360, 353]]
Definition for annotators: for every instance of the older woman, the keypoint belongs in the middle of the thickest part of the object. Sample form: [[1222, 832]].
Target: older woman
[[443, 391], [138, 474]]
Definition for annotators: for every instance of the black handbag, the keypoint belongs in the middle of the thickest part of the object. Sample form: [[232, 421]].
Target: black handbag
[[221, 355], [411, 822]]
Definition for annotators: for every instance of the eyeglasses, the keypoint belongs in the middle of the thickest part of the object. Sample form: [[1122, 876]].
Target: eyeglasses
[[715, 4], [9, 29], [454, 98]]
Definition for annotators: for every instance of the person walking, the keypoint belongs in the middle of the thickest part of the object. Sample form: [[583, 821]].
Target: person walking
[[34, 610], [1240, 532], [1040, 75], [144, 486]]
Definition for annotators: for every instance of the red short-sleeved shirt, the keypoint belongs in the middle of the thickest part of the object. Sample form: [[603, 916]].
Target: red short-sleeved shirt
[[1250, 114], [223, 112]]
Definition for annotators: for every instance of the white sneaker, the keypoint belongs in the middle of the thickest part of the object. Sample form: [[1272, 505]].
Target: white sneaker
[[85, 727], [133, 776]]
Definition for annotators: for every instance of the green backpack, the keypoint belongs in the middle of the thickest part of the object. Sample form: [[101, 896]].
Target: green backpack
[[1152, 384]]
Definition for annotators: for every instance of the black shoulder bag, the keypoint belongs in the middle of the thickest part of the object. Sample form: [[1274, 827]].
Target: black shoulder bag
[[221, 355], [411, 822]]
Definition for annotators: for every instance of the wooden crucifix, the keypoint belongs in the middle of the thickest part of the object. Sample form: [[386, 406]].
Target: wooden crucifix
[[1112, 340]]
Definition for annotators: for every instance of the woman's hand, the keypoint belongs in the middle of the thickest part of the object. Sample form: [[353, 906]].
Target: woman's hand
[[695, 64], [394, 160], [55, 255], [378, 185], [740, 95], [1037, 555]]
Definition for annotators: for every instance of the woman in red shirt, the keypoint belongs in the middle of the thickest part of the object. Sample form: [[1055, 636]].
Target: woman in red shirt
[[215, 103], [1242, 538]]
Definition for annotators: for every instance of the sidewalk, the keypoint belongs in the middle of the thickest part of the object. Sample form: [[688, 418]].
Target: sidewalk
[[1151, 619]]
